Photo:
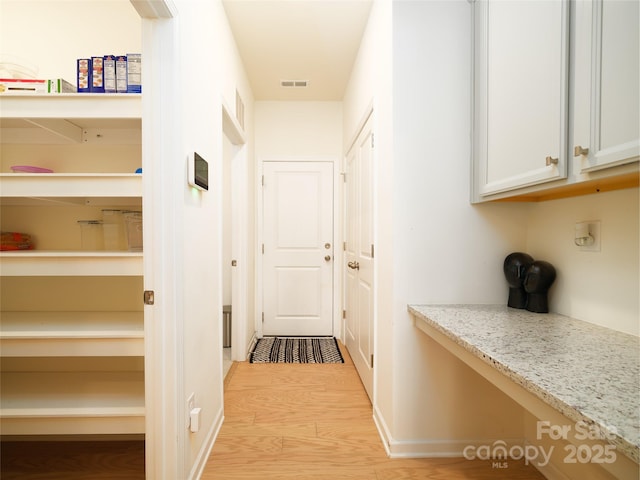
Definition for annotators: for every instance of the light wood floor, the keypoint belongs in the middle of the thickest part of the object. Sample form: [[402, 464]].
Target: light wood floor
[[281, 422], [315, 422]]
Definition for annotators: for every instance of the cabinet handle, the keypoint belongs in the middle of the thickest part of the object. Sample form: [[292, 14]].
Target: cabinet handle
[[551, 161], [578, 150]]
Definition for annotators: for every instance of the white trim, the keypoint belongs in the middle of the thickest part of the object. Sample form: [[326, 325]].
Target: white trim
[[252, 344], [383, 430], [164, 399], [155, 9], [429, 448], [203, 456], [239, 241], [337, 234], [368, 112]]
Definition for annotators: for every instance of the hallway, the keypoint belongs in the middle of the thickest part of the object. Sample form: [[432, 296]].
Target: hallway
[[286, 421]]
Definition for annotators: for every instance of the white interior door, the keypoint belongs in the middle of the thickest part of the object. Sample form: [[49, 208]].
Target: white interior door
[[359, 254], [297, 248]]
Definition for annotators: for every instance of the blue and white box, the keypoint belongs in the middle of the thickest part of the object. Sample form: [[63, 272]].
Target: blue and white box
[[121, 74], [134, 73], [97, 75], [84, 75], [109, 66]]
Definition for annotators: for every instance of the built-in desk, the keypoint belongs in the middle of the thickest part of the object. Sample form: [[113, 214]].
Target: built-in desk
[[585, 372]]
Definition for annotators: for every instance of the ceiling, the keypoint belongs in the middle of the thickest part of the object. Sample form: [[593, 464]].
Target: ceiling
[[310, 40]]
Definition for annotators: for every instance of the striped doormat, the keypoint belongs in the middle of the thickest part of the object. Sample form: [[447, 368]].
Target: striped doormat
[[296, 350]]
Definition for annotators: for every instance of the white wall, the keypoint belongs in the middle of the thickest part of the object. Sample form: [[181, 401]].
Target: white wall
[[62, 31], [206, 51], [445, 250], [51, 35], [299, 131], [369, 89], [599, 287]]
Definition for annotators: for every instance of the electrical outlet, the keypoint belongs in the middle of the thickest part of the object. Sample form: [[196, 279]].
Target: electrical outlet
[[587, 236]]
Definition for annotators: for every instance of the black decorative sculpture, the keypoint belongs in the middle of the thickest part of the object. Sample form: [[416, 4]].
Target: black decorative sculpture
[[515, 267], [538, 279]]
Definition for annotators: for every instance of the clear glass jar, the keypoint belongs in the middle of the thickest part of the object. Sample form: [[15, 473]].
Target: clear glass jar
[[113, 230], [133, 222], [91, 236]]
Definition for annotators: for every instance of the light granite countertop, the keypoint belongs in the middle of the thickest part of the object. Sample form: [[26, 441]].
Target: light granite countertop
[[586, 372]]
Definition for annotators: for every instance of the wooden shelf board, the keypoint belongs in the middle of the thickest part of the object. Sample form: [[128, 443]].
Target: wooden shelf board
[[70, 185], [74, 107], [71, 325], [587, 187], [70, 263], [71, 347], [80, 393]]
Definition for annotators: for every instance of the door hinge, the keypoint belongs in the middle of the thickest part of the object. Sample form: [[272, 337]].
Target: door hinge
[[263, 248], [262, 317], [149, 297], [344, 246], [372, 250], [372, 360], [263, 180], [372, 140], [344, 314]]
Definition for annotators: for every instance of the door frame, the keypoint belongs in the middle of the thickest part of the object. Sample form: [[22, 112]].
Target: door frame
[[337, 236], [239, 246], [367, 119], [163, 346]]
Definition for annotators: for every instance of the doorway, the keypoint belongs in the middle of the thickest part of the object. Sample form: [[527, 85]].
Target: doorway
[[235, 271], [297, 248]]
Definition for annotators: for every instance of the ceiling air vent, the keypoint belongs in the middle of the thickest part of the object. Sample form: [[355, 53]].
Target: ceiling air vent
[[294, 83]]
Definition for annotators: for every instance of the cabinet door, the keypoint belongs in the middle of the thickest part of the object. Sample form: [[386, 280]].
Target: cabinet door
[[520, 93], [607, 117]]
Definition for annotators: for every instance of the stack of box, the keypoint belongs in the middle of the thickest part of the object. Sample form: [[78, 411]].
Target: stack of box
[[110, 74]]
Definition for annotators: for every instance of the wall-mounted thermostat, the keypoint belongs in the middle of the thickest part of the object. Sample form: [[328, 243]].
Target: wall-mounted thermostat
[[197, 171]]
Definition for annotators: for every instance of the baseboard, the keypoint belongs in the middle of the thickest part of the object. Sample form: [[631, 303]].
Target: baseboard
[[205, 451], [424, 448], [252, 345], [552, 472], [383, 431]]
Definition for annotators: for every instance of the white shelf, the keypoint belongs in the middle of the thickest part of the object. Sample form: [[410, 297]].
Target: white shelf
[[72, 106], [79, 188], [27, 263], [74, 395], [71, 119], [72, 403], [64, 334]]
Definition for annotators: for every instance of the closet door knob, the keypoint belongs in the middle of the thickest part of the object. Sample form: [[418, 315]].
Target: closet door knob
[[552, 161], [578, 150]]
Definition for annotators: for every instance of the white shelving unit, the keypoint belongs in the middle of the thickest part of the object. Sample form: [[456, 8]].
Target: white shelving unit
[[72, 323]]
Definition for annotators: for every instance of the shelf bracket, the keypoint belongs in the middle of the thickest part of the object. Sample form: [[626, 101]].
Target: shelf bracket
[[60, 127]]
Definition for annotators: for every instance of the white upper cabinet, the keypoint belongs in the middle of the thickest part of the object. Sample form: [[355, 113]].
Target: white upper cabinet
[[607, 84], [556, 98], [521, 93]]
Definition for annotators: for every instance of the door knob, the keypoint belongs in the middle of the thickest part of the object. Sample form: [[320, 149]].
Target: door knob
[[354, 265], [327, 258], [578, 150]]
